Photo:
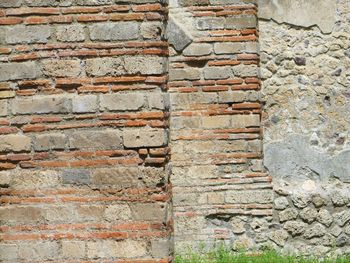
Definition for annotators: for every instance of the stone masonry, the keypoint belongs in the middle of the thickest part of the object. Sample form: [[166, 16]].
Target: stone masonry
[[130, 129]]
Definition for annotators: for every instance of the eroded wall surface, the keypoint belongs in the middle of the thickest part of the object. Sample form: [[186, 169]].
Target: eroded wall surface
[[84, 131], [305, 63]]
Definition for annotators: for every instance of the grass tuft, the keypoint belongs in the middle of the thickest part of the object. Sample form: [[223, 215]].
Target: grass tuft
[[224, 255]]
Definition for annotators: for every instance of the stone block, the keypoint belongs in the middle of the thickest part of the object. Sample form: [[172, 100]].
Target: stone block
[[20, 214], [10, 3], [151, 30], [113, 66], [29, 179], [216, 122], [39, 250], [196, 49], [117, 176], [122, 102], [130, 248], [228, 48], [157, 101], [19, 71], [41, 104], [84, 104], [100, 249], [248, 197], [149, 212], [144, 138], [245, 121], [49, 141], [73, 249], [61, 67], [96, 139], [241, 22], [177, 35], [28, 34], [71, 33], [217, 73], [184, 74], [117, 212], [14, 143], [8, 252], [114, 31], [145, 65], [75, 176], [3, 107], [210, 23]]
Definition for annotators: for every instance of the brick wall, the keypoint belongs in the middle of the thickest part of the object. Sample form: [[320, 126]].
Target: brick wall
[[129, 127], [220, 186], [84, 131]]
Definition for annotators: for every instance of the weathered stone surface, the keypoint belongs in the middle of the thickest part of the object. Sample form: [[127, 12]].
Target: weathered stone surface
[[217, 73], [241, 22], [210, 23], [295, 227], [130, 248], [281, 203], [41, 104], [84, 104], [246, 197], [304, 163], [288, 214], [10, 3], [144, 138], [102, 139], [75, 176], [316, 230], [118, 177], [39, 250], [145, 65], [122, 102], [71, 33], [245, 121], [300, 12], [151, 30], [114, 31], [177, 35], [342, 217], [308, 214], [279, 237], [233, 48], [8, 251], [16, 71], [160, 248], [49, 141], [117, 212], [73, 249], [184, 74], [28, 34], [3, 107], [325, 217], [113, 66], [15, 143], [196, 49], [61, 68], [149, 211]]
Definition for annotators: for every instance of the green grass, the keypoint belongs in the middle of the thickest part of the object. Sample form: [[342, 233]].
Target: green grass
[[223, 255]]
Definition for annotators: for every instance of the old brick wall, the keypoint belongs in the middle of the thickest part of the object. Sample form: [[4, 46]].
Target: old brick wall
[[221, 192], [84, 131], [129, 127]]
